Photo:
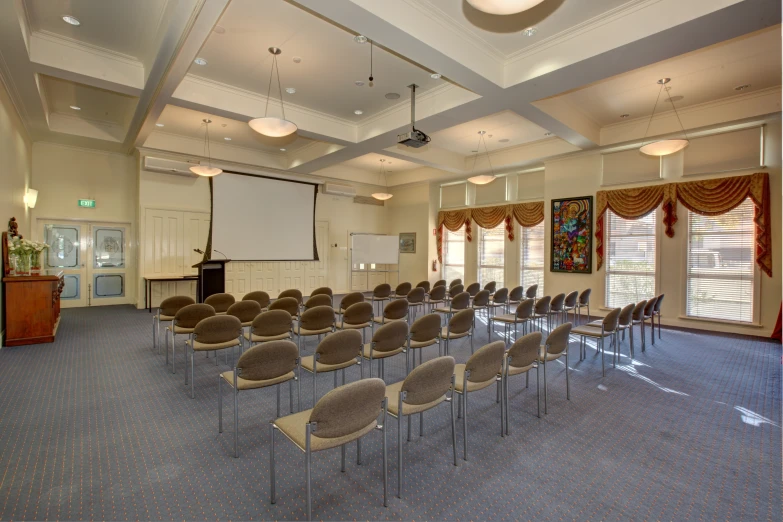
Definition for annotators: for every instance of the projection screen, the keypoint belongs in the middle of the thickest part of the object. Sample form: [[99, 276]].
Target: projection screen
[[258, 218]]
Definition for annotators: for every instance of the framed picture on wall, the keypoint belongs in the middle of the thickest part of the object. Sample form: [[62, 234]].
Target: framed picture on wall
[[407, 242], [572, 235]]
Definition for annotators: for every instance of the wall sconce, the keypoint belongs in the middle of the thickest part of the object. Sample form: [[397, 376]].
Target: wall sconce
[[30, 197]]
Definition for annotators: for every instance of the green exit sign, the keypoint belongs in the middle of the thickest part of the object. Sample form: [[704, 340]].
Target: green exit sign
[[87, 203]]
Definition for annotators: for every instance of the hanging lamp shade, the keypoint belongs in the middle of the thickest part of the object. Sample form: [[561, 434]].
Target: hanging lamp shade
[[504, 7], [207, 170], [482, 179], [668, 146], [383, 196], [270, 125]]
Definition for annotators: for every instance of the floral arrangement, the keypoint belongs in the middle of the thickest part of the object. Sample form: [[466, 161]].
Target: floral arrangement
[[25, 255], [20, 246]]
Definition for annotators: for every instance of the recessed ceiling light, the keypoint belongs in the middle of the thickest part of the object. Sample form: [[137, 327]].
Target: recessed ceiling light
[[435, 76], [504, 140], [68, 19], [219, 29], [227, 138], [742, 87], [548, 134], [200, 61], [76, 107], [159, 125], [297, 59], [392, 96], [358, 112], [530, 31], [624, 116], [360, 39], [290, 90], [282, 150], [358, 83]]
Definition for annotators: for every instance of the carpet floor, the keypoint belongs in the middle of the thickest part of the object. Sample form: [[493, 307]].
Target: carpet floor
[[94, 426]]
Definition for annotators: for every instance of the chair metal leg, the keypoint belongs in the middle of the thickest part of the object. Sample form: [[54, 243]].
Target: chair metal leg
[[385, 457], [453, 430], [502, 413], [465, 424], [272, 463]]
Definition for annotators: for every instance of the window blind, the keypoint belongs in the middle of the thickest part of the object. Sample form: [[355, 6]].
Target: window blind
[[630, 266], [720, 265], [531, 257], [454, 254], [492, 243]]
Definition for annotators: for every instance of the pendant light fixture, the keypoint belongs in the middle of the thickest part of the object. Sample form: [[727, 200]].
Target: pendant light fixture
[[504, 7], [269, 125], [482, 179], [664, 147], [207, 170], [383, 196]]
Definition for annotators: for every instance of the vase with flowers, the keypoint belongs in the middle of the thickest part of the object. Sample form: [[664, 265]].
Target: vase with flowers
[[25, 254]]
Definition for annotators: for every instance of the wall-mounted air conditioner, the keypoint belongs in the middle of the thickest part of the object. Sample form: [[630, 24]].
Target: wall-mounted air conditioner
[[175, 167], [336, 189]]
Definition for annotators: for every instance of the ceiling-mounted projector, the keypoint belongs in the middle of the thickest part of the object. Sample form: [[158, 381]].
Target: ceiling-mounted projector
[[414, 138]]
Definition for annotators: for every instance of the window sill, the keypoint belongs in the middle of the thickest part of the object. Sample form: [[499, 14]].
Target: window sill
[[721, 321]]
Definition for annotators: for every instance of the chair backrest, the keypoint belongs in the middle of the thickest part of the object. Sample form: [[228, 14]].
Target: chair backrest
[[358, 313], [429, 381], [584, 297], [542, 305], [318, 300], [437, 293], [268, 361], [556, 304], [416, 295], [524, 351], [486, 362], [462, 321], [425, 328], [382, 290], [323, 290], [271, 323], [557, 340], [658, 301], [531, 291], [259, 296], [403, 289], [171, 305], [525, 308], [351, 299], [189, 316], [220, 302], [218, 329], [396, 309], [317, 318], [425, 285], [491, 287], [349, 408], [648, 310], [638, 310], [460, 301], [339, 347], [473, 289], [439, 282], [481, 298], [501, 296], [289, 304], [292, 292], [516, 293], [626, 315], [611, 320], [390, 336], [570, 299], [456, 290], [455, 282], [245, 311]]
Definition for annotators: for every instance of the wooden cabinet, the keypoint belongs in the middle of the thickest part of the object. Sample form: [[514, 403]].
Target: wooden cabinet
[[32, 308]]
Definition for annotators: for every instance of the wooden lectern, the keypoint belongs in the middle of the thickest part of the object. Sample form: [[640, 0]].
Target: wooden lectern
[[211, 278]]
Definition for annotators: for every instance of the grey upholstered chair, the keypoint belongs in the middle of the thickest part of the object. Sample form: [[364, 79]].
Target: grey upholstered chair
[[541, 311], [270, 364], [473, 289], [491, 287], [358, 316], [455, 282], [396, 310], [458, 326], [324, 290], [459, 302], [455, 291], [439, 282], [531, 292], [259, 296], [387, 341], [380, 294], [481, 303], [316, 321], [292, 292], [624, 322], [608, 329], [437, 297], [483, 369], [317, 300], [424, 332], [289, 304], [220, 302], [556, 346], [521, 358], [166, 311], [425, 285], [402, 290], [637, 317], [246, 312], [343, 415], [423, 389], [499, 300], [335, 353], [272, 325], [523, 315], [185, 321], [350, 299], [649, 314], [222, 332], [657, 312], [569, 305], [584, 302], [556, 309], [415, 300], [515, 296]]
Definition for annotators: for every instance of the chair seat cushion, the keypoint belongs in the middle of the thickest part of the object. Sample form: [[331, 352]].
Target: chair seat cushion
[[459, 378], [308, 362], [294, 427], [304, 331], [589, 331], [373, 298], [549, 356], [497, 305], [434, 301], [162, 317], [423, 344], [516, 370], [197, 346], [244, 384], [342, 325], [444, 310], [479, 307], [180, 330], [253, 338], [508, 318], [380, 355], [385, 320], [445, 334], [393, 394]]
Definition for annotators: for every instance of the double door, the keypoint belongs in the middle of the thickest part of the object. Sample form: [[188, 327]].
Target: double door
[[94, 258]]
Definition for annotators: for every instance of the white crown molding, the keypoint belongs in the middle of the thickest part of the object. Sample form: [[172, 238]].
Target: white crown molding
[[107, 125], [85, 150], [88, 48]]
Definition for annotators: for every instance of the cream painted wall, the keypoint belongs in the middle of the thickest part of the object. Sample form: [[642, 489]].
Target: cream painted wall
[[409, 211], [15, 172]]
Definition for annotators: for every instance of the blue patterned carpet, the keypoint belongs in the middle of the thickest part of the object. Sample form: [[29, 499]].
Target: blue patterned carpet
[[95, 427]]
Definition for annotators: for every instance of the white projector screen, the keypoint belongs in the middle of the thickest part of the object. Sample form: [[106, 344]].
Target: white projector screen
[[372, 248], [256, 218]]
